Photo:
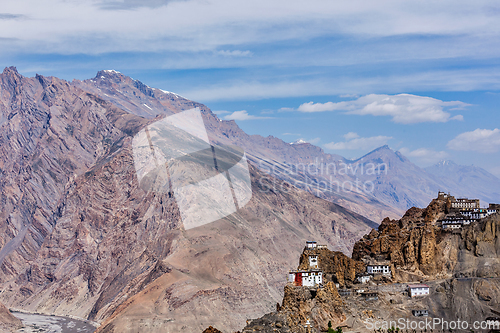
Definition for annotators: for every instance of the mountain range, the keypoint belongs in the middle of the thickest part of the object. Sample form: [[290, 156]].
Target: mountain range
[[81, 237], [381, 183]]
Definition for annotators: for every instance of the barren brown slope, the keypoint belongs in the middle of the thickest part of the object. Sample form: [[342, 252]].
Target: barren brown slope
[[235, 266], [113, 241], [51, 132], [8, 323]]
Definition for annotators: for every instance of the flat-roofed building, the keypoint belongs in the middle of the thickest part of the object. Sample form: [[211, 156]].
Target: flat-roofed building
[[378, 269], [313, 261], [311, 244], [465, 203], [309, 278], [420, 289], [420, 313]]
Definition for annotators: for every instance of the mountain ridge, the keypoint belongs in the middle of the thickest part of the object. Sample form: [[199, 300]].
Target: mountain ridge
[[391, 195]]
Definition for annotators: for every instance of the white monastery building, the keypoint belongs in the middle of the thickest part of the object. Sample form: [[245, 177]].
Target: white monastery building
[[378, 269], [311, 244], [415, 290], [310, 278], [313, 261]]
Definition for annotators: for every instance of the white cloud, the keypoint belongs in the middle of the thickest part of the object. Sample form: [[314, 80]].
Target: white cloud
[[424, 156], [235, 53], [354, 141], [286, 109], [480, 140], [70, 26], [403, 108], [243, 115], [293, 134], [351, 135], [220, 112], [319, 107], [458, 117]]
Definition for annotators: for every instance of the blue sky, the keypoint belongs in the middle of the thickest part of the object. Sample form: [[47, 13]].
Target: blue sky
[[422, 77]]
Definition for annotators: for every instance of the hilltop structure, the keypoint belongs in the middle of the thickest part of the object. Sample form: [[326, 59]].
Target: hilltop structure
[[463, 211], [309, 278]]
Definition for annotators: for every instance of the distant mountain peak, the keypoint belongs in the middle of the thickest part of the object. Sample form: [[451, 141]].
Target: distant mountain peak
[[10, 70], [445, 163], [382, 149], [111, 71], [298, 142], [109, 74]]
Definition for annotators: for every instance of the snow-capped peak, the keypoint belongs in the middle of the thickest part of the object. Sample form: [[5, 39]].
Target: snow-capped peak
[[299, 141], [169, 92]]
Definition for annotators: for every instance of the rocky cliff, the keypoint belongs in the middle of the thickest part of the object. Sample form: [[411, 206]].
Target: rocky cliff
[[319, 306], [419, 249], [300, 305], [336, 266]]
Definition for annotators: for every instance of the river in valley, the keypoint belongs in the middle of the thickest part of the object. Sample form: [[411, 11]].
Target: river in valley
[[52, 324]]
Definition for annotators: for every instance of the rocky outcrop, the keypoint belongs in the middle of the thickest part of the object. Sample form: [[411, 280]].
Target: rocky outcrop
[[210, 329], [419, 249], [336, 266], [274, 322], [318, 306], [462, 269]]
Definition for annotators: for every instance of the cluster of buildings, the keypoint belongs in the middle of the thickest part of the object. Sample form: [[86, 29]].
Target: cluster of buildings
[[313, 277], [464, 211]]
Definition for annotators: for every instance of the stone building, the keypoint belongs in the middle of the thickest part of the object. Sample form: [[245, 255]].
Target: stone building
[[311, 244]]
